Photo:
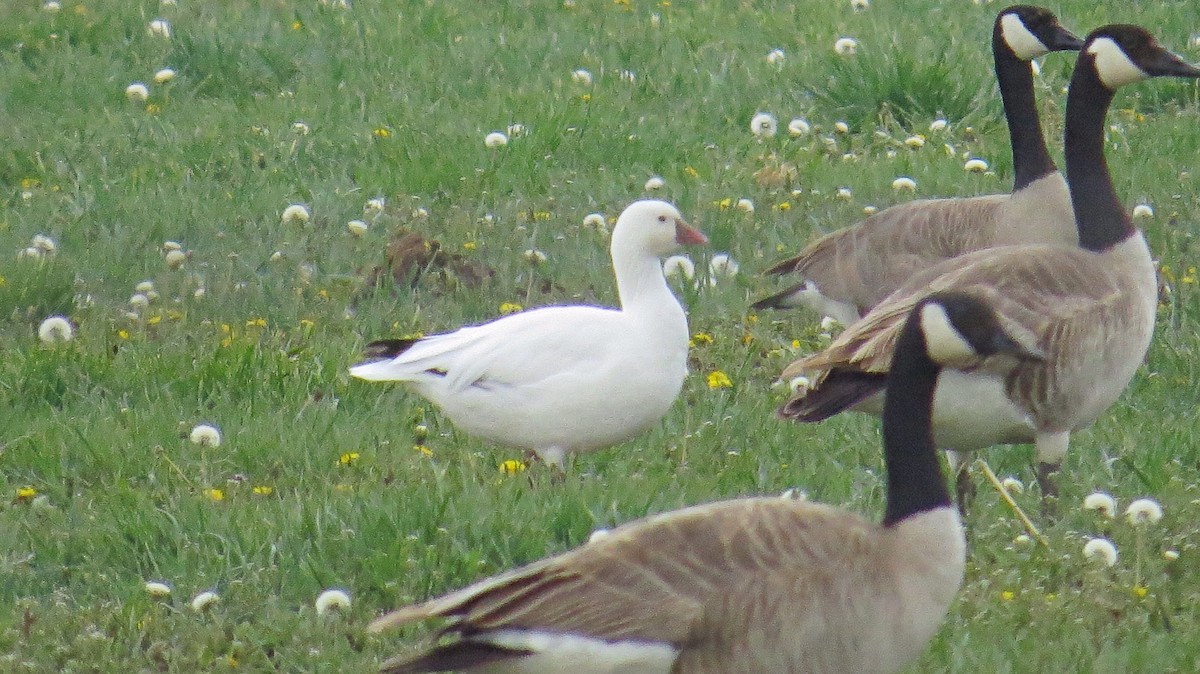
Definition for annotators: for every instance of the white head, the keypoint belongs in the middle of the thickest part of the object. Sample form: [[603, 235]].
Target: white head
[[1113, 66], [1030, 32], [654, 227], [1023, 43], [1124, 54]]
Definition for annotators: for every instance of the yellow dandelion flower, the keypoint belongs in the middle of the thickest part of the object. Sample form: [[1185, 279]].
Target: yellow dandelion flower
[[541, 215], [795, 344], [30, 183], [423, 449], [256, 323], [723, 204], [342, 488], [306, 324], [747, 339], [154, 320], [153, 108], [225, 328], [25, 494], [585, 98], [1008, 595], [691, 171], [122, 334], [1190, 277], [3, 281], [296, 25], [785, 206], [382, 132], [470, 245], [1050, 596], [512, 466], [215, 494], [701, 338], [348, 459], [263, 490], [323, 294], [1140, 591], [510, 308], [174, 314], [718, 379], [231, 660]]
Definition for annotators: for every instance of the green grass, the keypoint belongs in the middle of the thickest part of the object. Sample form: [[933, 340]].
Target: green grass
[[397, 97]]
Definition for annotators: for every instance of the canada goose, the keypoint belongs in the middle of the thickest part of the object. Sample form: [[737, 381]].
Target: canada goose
[[1090, 309], [763, 585], [568, 378], [846, 272]]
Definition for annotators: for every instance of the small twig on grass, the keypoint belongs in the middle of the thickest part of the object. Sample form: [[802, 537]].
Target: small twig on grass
[[1004, 495]]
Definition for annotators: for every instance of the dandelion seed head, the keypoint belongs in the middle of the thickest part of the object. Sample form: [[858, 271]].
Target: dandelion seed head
[[745, 205], [844, 194], [1170, 555], [495, 139], [763, 125], [1022, 541], [204, 601], [915, 142], [1144, 511], [169, 246], [357, 227], [1101, 502], [870, 210], [1143, 212], [799, 385], [655, 183], [582, 76], [44, 244], [860, 5], [534, 256], [55, 329], [206, 435], [332, 600], [904, 184], [799, 127], [846, 46], [594, 221], [296, 214], [300, 128], [137, 92], [157, 588], [775, 56], [164, 75], [938, 125], [975, 166], [1100, 549], [139, 301], [175, 259], [1012, 485], [159, 28], [723, 264], [51, 6], [841, 127], [679, 265], [374, 207]]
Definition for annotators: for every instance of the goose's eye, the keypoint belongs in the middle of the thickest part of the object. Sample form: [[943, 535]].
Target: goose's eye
[[662, 218]]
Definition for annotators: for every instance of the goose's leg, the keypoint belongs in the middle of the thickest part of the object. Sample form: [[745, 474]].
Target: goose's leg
[[554, 457], [964, 486], [1050, 450]]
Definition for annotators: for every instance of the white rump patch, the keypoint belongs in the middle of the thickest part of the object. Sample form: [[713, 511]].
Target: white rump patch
[[1020, 39], [1113, 65], [555, 653], [943, 343]]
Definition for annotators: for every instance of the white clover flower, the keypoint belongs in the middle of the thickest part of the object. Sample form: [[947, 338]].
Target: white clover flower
[[139, 301], [137, 92], [159, 28], [1101, 549], [1143, 212], [679, 265], [534, 256], [44, 244], [595, 221], [169, 246], [357, 227], [829, 323], [163, 76], [157, 588], [1101, 502], [175, 259], [582, 76], [841, 127], [722, 264], [870, 210], [205, 434], [1170, 555], [495, 139], [975, 166], [374, 207], [332, 600], [295, 214], [846, 46], [655, 183], [915, 142], [1144, 511], [859, 5], [904, 183], [745, 205], [55, 329], [775, 56], [204, 601], [763, 125], [51, 6], [798, 127], [938, 124], [300, 128], [516, 130], [1012, 485], [844, 194], [597, 535], [799, 385]]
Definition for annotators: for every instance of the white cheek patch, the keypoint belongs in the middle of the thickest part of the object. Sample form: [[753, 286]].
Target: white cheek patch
[[943, 343], [1020, 39], [1113, 66]]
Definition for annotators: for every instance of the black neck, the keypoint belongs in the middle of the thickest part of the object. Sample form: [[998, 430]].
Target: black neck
[[1101, 218], [914, 476], [1031, 160]]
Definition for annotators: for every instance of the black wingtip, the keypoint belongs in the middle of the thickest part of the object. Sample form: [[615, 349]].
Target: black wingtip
[[776, 301], [457, 656], [387, 348], [840, 391]]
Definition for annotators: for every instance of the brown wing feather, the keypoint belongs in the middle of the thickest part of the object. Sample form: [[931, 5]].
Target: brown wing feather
[[652, 580]]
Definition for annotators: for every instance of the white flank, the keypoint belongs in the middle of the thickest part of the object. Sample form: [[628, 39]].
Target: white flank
[[943, 343], [555, 653], [1113, 66], [1020, 39]]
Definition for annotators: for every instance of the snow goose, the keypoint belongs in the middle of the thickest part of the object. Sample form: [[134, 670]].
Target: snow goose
[[567, 378], [845, 273], [763, 585], [1089, 308]]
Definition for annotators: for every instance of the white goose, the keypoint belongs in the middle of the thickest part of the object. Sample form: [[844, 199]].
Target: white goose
[[563, 379], [762, 585], [1090, 309], [845, 273]]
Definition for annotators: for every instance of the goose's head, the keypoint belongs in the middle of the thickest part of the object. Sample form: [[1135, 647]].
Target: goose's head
[[1121, 54], [653, 227], [959, 329], [1030, 32]]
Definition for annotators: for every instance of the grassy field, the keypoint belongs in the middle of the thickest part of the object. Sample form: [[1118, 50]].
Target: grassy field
[[323, 482]]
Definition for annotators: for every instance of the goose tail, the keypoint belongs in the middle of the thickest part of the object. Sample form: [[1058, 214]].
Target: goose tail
[[839, 391], [457, 656]]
